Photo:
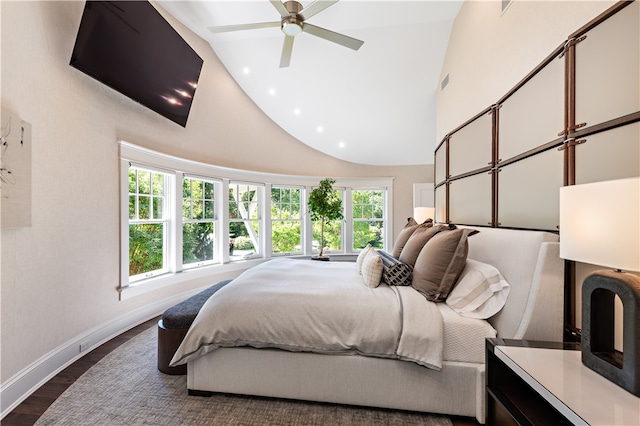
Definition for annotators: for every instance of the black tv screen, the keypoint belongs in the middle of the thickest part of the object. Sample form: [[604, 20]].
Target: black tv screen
[[131, 48]]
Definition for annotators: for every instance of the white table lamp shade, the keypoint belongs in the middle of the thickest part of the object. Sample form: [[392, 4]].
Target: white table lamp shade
[[420, 214], [600, 223]]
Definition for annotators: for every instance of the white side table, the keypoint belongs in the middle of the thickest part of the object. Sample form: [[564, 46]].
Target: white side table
[[537, 383]]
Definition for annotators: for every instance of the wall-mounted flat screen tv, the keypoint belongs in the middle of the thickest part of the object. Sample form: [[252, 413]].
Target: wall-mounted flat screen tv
[[131, 48]]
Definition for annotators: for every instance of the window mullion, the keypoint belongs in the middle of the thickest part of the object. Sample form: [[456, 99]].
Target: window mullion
[[307, 240], [348, 221], [267, 240], [174, 215], [222, 211]]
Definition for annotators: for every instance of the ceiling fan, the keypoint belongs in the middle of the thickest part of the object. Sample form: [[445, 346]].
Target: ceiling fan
[[293, 22]]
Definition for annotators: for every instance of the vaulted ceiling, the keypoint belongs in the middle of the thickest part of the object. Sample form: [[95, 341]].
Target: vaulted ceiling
[[373, 106]]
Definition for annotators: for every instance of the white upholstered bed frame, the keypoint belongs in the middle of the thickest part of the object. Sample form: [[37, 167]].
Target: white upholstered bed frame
[[529, 261]]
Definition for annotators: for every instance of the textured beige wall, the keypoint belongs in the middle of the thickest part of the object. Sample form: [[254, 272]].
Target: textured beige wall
[[489, 51], [59, 277]]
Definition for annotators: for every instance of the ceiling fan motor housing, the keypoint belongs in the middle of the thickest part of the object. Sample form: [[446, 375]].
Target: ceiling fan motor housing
[[292, 25], [293, 7]]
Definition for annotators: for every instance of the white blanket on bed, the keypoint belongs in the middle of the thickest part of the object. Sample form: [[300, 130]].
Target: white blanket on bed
[[321, 307]]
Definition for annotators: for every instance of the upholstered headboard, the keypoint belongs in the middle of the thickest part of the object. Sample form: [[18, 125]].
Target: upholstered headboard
[[530, 262]]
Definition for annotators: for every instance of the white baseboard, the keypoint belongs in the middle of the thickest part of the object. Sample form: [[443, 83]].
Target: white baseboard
[[27, 381]]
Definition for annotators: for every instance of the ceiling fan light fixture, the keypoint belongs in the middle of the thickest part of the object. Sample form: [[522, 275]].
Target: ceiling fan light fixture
[[291, 27]]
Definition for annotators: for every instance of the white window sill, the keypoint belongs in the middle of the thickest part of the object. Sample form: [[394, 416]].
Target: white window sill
[[171, 279]]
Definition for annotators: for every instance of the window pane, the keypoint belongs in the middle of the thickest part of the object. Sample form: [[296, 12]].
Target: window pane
[[243, 239], [186, 188], [186, 209], [144, 182], [233, 210], [133, 181], [196, 189], [295, 204], [158, 184], [132, 206], [208, 210], [332, 236], [286, 237], [146, 248], [197, 208], [144, 205], [197, 242], [157, 207], [208, 190], [370, 232]]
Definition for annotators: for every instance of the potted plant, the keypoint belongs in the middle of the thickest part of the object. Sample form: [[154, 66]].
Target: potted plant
[[325, 204]]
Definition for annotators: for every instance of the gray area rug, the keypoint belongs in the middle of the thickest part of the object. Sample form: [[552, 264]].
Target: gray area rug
[[126, 388]]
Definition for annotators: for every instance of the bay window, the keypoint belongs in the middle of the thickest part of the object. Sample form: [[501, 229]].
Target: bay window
[[179, 216]]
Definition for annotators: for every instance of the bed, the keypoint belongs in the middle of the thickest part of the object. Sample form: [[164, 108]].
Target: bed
[[447, 379]]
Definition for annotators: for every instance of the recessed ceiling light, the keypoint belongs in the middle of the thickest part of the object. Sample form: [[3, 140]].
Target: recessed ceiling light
[[296, 111], [341, 144], [246, 71], [272, 92], [320, 129]]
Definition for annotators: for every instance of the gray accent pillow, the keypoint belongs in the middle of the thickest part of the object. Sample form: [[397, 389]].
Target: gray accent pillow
[[403, 236], [440, 263], [394, 272], [417, 240]]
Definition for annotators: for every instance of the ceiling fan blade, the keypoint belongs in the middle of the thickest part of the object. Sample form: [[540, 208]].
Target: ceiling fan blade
[[282, 10], [240, 27], [316, 7], [287, 48], [341, 39]]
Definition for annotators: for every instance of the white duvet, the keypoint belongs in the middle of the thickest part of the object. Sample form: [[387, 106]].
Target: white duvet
[[321, 307]]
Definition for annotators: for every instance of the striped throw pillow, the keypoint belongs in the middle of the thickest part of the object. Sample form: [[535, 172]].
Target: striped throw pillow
[[395, 272]]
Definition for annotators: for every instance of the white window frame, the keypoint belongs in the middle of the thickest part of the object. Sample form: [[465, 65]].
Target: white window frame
[[215, 221], [383, 219], [167, 233], [300, 220], [258, 240]]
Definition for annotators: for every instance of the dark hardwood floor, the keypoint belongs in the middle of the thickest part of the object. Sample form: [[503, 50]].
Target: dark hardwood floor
[[30, 410]]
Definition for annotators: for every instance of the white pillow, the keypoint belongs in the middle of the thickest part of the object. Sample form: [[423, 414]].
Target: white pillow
[[361, 256], [481, 291], [372, 269]]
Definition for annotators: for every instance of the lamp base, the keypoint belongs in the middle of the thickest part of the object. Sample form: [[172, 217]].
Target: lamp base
[[598, 351]]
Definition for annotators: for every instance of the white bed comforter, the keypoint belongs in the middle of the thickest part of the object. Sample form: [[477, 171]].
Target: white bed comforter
[[321, 307]]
